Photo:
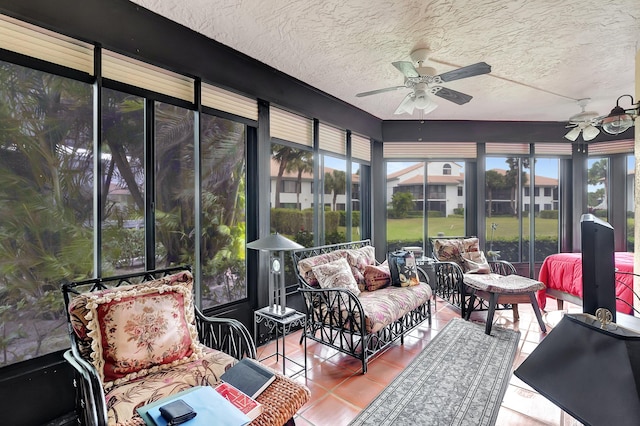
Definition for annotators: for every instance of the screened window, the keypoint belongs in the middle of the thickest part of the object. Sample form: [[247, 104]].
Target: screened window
[[223, 201], [46, 213]]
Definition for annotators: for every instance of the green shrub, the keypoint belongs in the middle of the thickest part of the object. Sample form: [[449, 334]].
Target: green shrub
[[459, 211], [435, 213], [549, 214]]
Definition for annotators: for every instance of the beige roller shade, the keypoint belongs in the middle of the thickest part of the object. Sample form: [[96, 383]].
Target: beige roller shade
[[233, 103], [360, 148], [332, 140], [507, 148], [615, 147], [146, 76], [291, 127], [36, 42], [429, 150], [553, 148]]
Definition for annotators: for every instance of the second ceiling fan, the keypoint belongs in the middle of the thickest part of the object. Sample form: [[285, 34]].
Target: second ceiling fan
[[424, 81]]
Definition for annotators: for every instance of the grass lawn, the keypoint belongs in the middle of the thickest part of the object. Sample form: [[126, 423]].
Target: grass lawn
[[411, 229]]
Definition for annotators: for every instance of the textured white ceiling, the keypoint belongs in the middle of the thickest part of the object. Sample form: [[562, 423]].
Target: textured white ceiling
[[545, 54]]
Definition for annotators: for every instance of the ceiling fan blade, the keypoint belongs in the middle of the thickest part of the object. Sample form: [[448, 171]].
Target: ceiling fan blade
[[407, 105], [375, 92], [406, 68], [465, 72], [452, 95]]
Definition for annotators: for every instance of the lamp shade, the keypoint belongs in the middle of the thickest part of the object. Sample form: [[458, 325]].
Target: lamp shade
[[590, 132], [274, 242], [590, 372]]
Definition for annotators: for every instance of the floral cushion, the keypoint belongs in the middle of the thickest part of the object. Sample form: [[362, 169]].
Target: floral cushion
[[305, 266], [337, 274], [130, 331], [122, 400], [450, 250], [386, 305], [357, 259], [377, 276]]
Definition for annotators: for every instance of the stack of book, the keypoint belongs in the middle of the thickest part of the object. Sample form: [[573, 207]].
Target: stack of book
[[249, 376], [223, 405], [231, 403]]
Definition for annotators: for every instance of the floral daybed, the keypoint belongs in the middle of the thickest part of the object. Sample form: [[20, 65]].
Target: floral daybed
[[350, 304], [138, 338]]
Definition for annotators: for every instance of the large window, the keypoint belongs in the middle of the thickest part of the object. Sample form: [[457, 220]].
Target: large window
[[546, 241], [404, 210], [630, 198], [46, 213], [123, 230], [223, 203], [597, 178], [334, 196]]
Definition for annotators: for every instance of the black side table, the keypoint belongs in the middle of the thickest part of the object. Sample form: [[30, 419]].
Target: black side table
[[281, 326]]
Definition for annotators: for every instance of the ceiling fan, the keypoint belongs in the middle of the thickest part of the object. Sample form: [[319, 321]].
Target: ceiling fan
[[423, 81], [585, 122]]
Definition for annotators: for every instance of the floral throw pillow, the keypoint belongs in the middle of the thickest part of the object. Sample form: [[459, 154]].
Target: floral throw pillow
[[140, 329], [402, 266], [337, 274]]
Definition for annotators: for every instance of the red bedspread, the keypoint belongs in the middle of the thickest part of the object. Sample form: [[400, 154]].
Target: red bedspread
[[563, 272]]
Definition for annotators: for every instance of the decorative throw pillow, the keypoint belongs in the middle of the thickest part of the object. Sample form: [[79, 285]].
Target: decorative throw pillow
[[402, 266], [377, 276], [475, 262], [337, 274], [142, 328]]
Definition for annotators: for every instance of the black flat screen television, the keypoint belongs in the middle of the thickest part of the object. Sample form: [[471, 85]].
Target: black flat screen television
[[598, 265]]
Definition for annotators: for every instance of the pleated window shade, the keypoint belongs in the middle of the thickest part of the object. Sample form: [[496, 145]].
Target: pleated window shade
[[360, 148], [332, 139], [553, 148], [30, 40], [613, 147], [146, 76], [428, 150], [291, 127], [507, 148], [233, 103]]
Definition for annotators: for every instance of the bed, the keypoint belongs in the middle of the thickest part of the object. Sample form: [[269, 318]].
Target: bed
[[562, 275]]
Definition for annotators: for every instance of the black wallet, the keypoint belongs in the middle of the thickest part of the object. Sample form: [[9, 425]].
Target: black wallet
[[177, 412]]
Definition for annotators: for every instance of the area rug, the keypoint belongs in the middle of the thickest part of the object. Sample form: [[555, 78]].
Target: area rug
[[459, 379]]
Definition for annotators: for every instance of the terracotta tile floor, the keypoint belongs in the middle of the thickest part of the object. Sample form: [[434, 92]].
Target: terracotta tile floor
[[339, 391]]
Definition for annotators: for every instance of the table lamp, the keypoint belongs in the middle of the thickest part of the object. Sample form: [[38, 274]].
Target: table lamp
[[276, 245], [590, 368]]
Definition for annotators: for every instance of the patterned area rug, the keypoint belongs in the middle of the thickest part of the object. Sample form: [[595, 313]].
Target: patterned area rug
[[459, 379]]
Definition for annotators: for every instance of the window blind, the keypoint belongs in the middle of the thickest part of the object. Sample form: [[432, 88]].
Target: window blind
[[507, 148], [30, 40], [553, 148], [613, 147], [428, 150], [291, 127], [331, 139], [146, 76], [360, 148], [233, 103]]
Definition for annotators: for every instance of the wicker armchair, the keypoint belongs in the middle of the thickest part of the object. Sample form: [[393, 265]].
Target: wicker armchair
[[110, 386]]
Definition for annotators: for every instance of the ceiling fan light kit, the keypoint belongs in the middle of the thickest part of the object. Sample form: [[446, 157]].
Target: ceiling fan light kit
[[584, 122], [424, 81], [619, 120]]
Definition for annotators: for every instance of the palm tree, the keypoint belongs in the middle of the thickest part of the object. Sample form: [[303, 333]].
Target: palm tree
[[301, 164], [283, 155], [336, 182], [494, 181]]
